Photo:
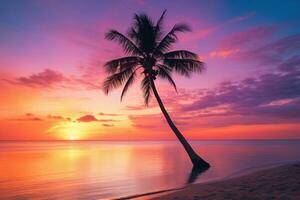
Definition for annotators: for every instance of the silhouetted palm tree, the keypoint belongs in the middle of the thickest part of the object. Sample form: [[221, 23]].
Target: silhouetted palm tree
[[148, 54]]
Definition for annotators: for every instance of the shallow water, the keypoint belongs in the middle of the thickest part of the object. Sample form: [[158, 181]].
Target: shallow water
[[101, 170]]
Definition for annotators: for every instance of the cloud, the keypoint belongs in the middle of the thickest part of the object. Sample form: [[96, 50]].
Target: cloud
[[49, 79], [208, 31], [285, 45], [87, 118], [241, 17], [109, 114], [251, 35], [108, 125], [198, 34], [28, 117], [240, 44], [34, 117], [46, 78], [268, 98], [107, 120], [141, 106], [224, 53], [291, 64], [50, 117], [92, 118], [256, 46], [273, 52], [274, 95], [57, 117], [151, 121]]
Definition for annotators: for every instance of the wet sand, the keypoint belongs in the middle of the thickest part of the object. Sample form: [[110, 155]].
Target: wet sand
[[281, 182]]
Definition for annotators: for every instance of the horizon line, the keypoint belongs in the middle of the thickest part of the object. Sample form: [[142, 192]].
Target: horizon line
[[154, 140]]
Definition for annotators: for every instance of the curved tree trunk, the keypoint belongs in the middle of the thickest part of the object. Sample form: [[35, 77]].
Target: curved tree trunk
[[197, 161]]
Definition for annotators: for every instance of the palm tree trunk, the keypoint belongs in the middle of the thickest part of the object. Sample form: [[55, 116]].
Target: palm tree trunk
[[197, 161]]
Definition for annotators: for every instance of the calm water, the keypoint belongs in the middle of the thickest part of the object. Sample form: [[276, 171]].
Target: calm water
[[101, 170]]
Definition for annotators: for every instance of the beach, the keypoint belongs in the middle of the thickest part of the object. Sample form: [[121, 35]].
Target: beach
[[281, 182]]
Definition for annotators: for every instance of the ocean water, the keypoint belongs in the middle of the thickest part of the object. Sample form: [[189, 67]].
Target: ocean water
[[104, 170]]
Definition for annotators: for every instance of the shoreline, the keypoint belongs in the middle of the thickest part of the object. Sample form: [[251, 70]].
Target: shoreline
[[281, 182], [170, 193]]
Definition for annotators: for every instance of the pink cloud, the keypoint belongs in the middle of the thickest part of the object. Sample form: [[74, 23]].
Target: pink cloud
[[92, 118], [87, 118], [198, 34], [50, 79], [208, 31], [224, 53], [237, 43], [46, 78], [245, 37]]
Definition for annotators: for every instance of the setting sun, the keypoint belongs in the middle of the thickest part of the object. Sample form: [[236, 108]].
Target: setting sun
[[72, 137], [69, 131], [73, 131]]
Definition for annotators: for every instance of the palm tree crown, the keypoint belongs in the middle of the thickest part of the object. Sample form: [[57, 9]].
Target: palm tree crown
[[148, 53]]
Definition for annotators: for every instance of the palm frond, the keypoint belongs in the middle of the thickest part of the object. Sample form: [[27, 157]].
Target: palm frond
[[118, 65], [181, 54], [128, 46], [159, 24], [165, 73], [171, 38], [146, 87], [185, 67], [116, 80], [133, 34], [144, 33], [143, 19], [128, 83]]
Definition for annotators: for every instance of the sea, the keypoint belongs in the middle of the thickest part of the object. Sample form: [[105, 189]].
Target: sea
[[72, 170]]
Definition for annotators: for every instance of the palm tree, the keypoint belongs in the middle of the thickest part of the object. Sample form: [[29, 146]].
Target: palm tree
[[148, 54]]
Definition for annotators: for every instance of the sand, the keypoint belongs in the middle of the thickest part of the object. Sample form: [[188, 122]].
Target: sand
[[281, 182]]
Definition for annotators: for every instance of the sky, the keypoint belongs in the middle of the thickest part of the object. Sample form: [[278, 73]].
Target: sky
[[52, 54]]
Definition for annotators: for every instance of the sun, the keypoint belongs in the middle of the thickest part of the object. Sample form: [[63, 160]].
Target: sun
[[70, 131], [72, 137]]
